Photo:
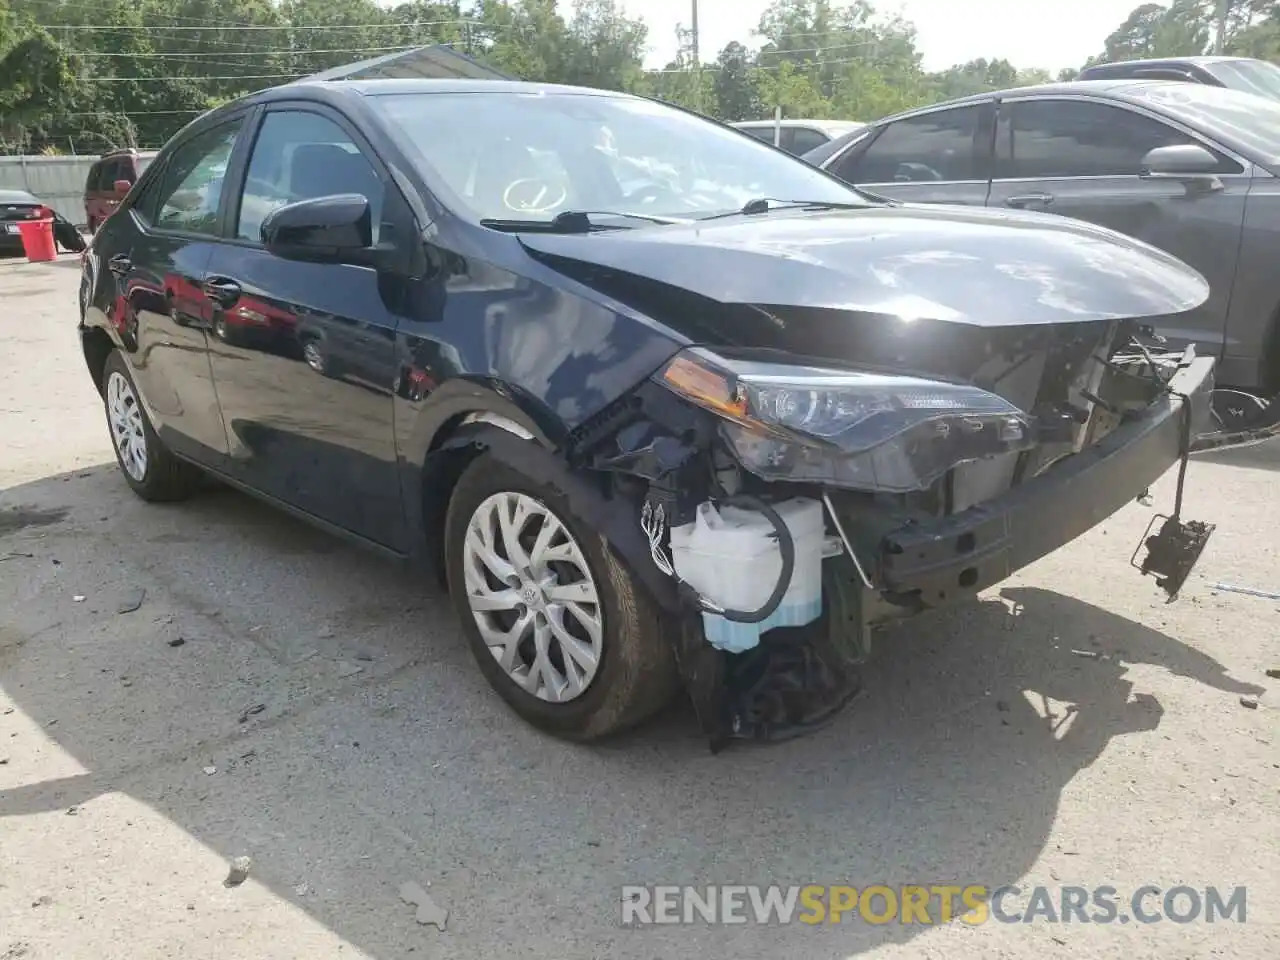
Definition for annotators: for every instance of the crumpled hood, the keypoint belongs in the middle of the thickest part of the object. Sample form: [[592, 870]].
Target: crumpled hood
[[958, 264]]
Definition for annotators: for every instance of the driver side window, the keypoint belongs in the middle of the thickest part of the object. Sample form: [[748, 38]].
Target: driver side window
[[299, 155]]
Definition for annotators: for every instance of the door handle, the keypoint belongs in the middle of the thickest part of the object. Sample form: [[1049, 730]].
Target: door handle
[[120, 264], [221, 291], [1024, 200]]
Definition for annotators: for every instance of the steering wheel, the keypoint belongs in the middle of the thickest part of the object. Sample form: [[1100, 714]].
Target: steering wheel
[[530, 195]]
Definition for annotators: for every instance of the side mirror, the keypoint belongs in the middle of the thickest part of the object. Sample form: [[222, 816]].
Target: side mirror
[[334, 229], [122, 187], [1184, 161]]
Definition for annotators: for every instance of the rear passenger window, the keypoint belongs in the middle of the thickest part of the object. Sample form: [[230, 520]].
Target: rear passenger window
[[112, 170], [935, 146], [805, 140], [301, 155]]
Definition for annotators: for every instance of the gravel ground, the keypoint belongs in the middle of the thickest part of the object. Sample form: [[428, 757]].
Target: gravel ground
[[282, 696]]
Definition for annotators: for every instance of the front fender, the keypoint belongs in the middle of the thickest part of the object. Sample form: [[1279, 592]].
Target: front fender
[[617, 520]]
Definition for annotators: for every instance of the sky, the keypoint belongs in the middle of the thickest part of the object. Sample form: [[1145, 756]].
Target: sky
[[1028, 33]]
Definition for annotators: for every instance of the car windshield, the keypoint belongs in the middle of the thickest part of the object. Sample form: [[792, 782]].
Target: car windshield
[[1252, 76], [1251, 122], [515, 156]]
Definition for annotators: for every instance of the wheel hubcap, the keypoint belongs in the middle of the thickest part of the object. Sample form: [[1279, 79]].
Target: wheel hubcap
[[127, 433], [533, 597], [315, 359]]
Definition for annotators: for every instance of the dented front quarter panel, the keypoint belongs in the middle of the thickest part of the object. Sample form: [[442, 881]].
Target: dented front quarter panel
[[493, 330]]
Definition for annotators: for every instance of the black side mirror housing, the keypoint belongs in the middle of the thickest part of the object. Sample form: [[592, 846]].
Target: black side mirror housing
[[333, 229], [1183, 161]]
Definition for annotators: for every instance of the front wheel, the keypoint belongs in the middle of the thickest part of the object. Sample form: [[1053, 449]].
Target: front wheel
[[560, 628], [149, 468]]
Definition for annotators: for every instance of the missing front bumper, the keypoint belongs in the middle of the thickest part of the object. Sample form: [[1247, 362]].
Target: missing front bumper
[[939, 562]]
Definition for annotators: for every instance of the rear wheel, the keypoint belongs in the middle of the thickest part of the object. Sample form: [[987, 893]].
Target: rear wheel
[[148, 467], [560, 629]]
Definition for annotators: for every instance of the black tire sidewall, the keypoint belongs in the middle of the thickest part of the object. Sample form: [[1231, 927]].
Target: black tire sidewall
[[573, 719]]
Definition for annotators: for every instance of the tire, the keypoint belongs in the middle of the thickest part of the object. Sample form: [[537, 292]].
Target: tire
[[315, 357], [157, 476], [635, 672]]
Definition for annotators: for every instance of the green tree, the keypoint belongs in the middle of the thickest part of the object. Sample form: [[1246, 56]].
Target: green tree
[[38, 84], [737, 94]]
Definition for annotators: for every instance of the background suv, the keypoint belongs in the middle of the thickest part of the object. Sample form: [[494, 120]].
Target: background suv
[[100, 194]]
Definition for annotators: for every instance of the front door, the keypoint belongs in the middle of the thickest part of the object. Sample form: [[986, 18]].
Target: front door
[[303, 354], [1083, 159], [161, 308], [935, 157]]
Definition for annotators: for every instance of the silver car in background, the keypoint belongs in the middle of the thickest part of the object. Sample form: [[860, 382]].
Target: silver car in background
[[1190, 168], [797, 136]]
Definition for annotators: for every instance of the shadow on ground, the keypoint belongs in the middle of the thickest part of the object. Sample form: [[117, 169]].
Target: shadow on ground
[[1260, 456], [949, 770]]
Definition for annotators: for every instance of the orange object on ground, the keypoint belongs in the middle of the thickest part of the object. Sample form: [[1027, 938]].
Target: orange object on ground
[[37, 239]]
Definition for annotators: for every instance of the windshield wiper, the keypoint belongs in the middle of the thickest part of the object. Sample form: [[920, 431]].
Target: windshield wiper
[[766, 204], [574, 221]]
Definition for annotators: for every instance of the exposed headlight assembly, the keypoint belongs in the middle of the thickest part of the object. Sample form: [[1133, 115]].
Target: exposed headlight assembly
[[864, 430]]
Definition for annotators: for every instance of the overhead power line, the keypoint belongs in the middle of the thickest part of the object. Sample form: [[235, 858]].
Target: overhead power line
[[96, 28], [197, 77], [296, 51]]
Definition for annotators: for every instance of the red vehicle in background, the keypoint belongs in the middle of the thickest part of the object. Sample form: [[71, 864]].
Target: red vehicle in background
[[109, 179]]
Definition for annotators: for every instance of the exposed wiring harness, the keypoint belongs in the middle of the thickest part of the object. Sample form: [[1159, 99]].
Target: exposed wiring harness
[[653, 522]]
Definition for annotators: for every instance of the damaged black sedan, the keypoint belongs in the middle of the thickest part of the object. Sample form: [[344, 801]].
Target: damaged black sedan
[[663, 405]]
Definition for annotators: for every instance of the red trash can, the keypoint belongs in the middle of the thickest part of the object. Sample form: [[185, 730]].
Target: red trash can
[[37, 239]]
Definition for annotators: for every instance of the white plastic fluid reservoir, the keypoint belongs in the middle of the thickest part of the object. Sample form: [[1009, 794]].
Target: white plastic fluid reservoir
[[731, 557]]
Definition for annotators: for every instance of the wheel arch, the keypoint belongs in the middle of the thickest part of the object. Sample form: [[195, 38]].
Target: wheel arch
[[456, 440], [97, 346]]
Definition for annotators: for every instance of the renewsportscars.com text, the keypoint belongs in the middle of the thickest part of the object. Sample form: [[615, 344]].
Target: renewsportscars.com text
[[913, 904]]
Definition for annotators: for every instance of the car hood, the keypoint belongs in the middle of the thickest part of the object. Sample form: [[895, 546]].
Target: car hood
[[953, 264]]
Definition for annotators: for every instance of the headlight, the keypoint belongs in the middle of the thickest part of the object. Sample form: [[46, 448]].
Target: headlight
[[869, 431]]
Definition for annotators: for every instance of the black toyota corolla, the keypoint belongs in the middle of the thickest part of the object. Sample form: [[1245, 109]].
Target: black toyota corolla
[[658, 401]]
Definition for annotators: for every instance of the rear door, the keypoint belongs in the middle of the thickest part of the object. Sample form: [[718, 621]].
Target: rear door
[[1083, 158], [304, 353], [163, 246]]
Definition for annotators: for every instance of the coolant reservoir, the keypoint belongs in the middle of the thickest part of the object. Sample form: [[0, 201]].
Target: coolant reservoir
[[731, 557]]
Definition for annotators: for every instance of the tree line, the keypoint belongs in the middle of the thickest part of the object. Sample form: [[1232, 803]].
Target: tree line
[[85, 76]]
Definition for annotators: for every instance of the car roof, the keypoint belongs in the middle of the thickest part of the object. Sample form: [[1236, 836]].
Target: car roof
[[384, 86], [1162, 61], [1130, 89], [834, 128], [128, 152], [17, 196], [318, 89]]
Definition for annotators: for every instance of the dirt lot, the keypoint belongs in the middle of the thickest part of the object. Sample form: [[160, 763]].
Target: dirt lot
[[282, 696]]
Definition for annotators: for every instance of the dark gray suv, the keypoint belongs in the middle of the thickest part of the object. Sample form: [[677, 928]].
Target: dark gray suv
[[1190, 168]]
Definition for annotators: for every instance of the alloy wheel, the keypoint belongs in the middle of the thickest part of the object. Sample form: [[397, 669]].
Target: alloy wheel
[[127, 431], [533, 596], [314, 357]]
